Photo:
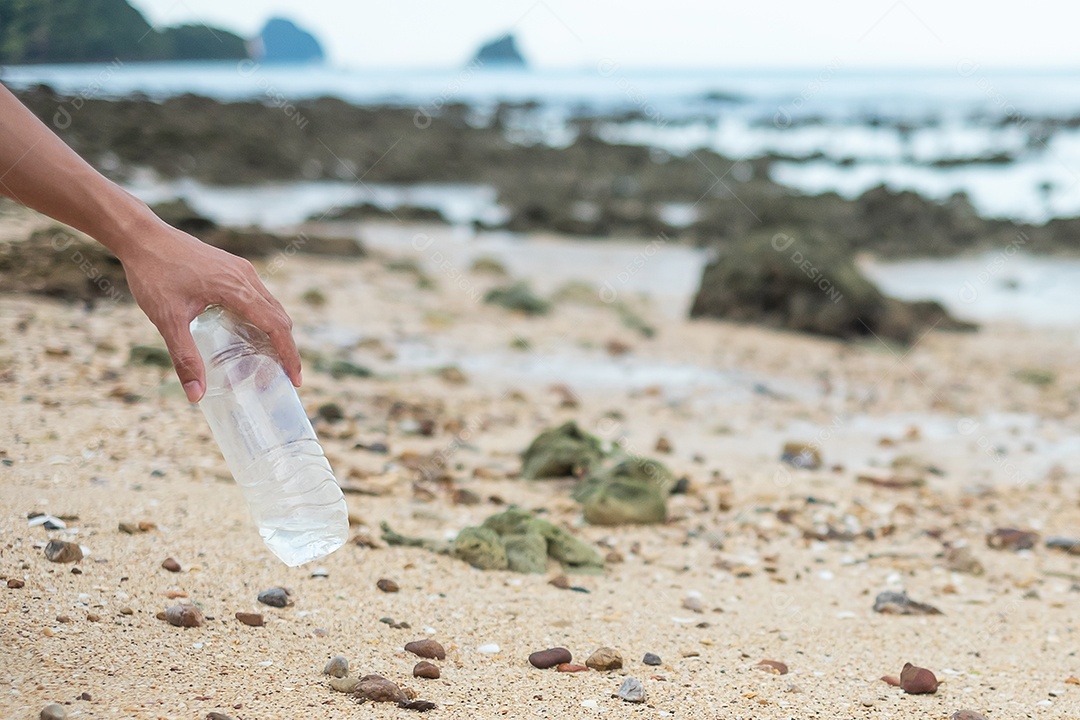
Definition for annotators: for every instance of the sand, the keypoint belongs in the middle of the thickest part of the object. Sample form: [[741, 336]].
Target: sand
[[91, 438]]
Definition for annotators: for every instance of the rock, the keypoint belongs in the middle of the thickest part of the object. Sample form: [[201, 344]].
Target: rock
[[801, 455], [184, 615], [632, 690], [129, 528], [652, 659], [663, 445], [917, 681], [500, 52], [346, 684], [604, 659], [337, 666], [218, 716], [53, 711], [282, 41], [773, 666], [50, 263], [425, 669], [488, 649], [59, 551], [250, 618], [341, 368], [961, 559], [527, 536], [147, 356], [518, 297], [453, 375], [487, 265], [571, 668], [561, 452], [387, 585], [634, 491], [417, 705], [1069, 545], [898, 603], [16, 583], [330, 412], [482, 548], [171, 565], [891, 680], [378, 689], [544, 659], [426, 648], [1012, 539], [278, 597], [560, 581], [967, 715], [693, 604]]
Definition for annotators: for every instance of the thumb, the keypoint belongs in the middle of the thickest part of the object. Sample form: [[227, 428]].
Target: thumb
[[188, 363]]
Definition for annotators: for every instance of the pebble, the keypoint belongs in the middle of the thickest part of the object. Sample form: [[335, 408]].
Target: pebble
[[891, 680], [93, 617], [249, 618], [338, 667], [551, 657], [773, 666], [1012, 539], [571, 668], [1069, 545], [917, 681], [15, 583], [218, 716], [59, 551], [426, 648], [967, 715], [378, 689], [488, 648], [560, 581], [53, 711], [962, 560], [651, 659], [417, 705], [387, 585], [632, 690], [344, 684], [275, 597], [170, 564], [425, 669], [604, 659], [320, 572], [898, 603], [693, 603], [184, 616]]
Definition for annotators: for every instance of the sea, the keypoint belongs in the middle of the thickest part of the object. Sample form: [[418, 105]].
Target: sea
[[1007, 138]]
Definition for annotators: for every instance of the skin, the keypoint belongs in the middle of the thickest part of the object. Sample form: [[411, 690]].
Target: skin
[[172, 275]]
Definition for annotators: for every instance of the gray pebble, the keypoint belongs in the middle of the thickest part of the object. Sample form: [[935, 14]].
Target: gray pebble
[[651, 659], [275, 597], [632, 690], [337, 667], [52, 711]]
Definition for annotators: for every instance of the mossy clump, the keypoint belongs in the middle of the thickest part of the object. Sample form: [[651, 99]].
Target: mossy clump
[[561, 452]]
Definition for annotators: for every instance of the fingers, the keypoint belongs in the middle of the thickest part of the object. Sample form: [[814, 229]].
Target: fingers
[[264, 311], [186, 360]]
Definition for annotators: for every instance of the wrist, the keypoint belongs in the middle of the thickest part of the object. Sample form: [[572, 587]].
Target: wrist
[[126, 225]]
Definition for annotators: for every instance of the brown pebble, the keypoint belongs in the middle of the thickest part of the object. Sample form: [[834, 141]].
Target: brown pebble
[[891, 680], [560, 581], [1012, 539], [250, 618], [426, 648], [170, 564], [218, 716], [571, 667], [604, 659], [59, 551], [126, 611], [417, 705], [65, 619], [967, 715], [93, 617], [1072, 680], [184, 616], [917, 681], [898, 603], [387, 585], [48, 632], [663, 445], [15, 583], [425, 669], [773, 666], [378, 689], [85, 696], [551, 657]]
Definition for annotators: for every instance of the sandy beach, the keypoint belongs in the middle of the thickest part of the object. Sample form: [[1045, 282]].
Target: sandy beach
[[758, 560]]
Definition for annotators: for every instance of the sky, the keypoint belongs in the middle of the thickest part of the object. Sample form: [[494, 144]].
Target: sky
[[672, 33]]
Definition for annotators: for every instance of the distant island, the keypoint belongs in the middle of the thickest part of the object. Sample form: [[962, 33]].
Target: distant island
[[501, 52], [100, 31]]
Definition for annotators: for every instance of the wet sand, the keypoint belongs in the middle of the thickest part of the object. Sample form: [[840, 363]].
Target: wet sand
[[89, 436]]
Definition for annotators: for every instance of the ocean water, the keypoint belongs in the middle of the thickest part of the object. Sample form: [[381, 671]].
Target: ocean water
[[1010, 139]]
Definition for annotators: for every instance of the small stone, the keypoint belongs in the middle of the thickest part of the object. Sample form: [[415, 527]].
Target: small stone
[[891, 680], [773, 666], [962, 560], [1072, 680], [85, 696], [275, 597], [184, 615], [801, 455], [250, 618], [15, 583], [663, 445], [425, 669], [917, 681], [571, 668], [218, 716], [344, 684], [551, 657], [64, 619], [93, 617], [898, 603], [387, 585], [967, 715], [604, 659], [693, 604], [426, 648], [378, 689], [560, 581], [171, 564], [632, 690], [417, 705], [488, 648], [1012, 539], [59, 551], [338, 667], [320, 572], [126, 610], [651, 659], [330, 412], [867, 702], [53, 711], [1069, 545]]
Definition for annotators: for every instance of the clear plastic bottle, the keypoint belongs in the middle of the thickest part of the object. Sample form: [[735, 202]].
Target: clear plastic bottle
[[267, 440]]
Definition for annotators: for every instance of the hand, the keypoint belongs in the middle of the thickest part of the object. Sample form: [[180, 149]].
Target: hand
[[174, 277]]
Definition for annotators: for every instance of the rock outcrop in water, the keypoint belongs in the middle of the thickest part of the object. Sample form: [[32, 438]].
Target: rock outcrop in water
[[282, 41], [500, 52]]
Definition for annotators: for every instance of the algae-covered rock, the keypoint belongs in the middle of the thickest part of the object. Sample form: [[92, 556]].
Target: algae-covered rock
[[518, 296], [481, 547], [560, 452], [632, 492], [149, 356]]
